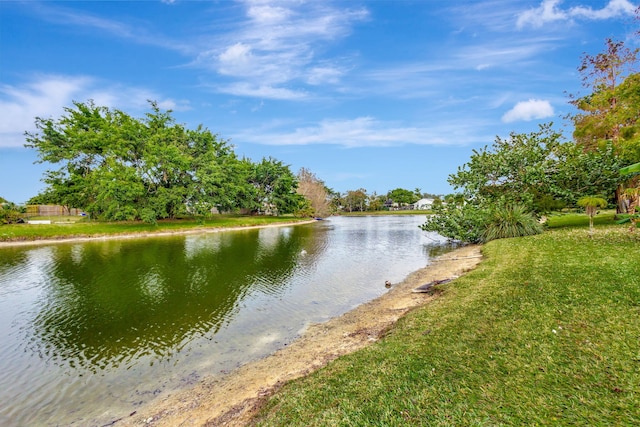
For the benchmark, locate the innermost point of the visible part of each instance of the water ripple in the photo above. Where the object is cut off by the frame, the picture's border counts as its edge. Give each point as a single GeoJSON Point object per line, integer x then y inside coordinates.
{"type": "Point", "coordinates": [111, 324]}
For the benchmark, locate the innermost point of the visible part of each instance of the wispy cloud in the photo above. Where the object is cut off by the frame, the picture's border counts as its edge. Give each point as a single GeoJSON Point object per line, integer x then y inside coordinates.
{"type": "Point", "coordinates": [502, 54]}
{"type": "Point", "coordinates": [613, 9]}
{"type": "Point", "coordinates": [479, 17]}
{"type": "Point", "coordinates": [550, 11]}
{"type": "Point", "coordinates": [42, 98]}
{"type": "Point", "coordinates": [367, 132]}
{"type": "Point", "coordinates": [276, 44]}
{"type": "Point", "coordinates": [256, 90]}
{"type": "Point", "coordinates": [136, 33]}
{"type": "Point", "coordinates": [529, 110]}
{"type": "Point", "coordinates": [46, 96]}
{"type": "Point", "coordinates": [324, 74]}
{"type": "Point", "coordinates": [483, 64]}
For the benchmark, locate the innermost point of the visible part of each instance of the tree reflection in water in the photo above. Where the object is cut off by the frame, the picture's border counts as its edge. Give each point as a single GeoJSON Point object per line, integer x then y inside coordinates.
{"type": "Point", "coordinates": [110, 303]}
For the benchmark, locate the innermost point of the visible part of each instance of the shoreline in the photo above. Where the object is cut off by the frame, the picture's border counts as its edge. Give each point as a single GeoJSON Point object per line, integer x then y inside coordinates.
{"type": "Point", "coordinates": [235, 398]}
{"type": "Point", "coordinates": [144, 235]}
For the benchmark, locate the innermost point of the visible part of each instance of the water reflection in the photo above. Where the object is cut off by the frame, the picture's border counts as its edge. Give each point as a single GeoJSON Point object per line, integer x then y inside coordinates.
{"type": "Point", "coordinates": [109, 303]}
{"type": "Point", "coordinates": [435, 250]}
{"type": "Point", "coordinates": [91, 331]}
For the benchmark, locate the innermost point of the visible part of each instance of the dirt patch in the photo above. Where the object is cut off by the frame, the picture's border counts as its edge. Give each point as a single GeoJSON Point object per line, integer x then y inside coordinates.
{"type": "Point", "coordinates": [234, 399]}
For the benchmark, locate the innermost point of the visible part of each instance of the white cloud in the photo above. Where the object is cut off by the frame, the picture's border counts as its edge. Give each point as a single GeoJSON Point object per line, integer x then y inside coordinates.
{"type": "Point", "coordinates": [42, 98]}
{"type": "Point", "coordinates": [324, 74]}
{"type": "Point", "coordinates": [499, 100]}
{"type": "Point", "coordinates": [613, 9]}
{"type": "Point", "coordinates": [71, 17]}
{"type": "Point", "coordinates": [501, 54]}
{"type": "Point", "coordinates": [365, 132]}
{"type": "Point", "coordinates": [236, 59]}
{"type": "Point", "coordinates": [493, 64]}
{"type": "Point", "coordinates": [550, 11]}
{"type": "Point", "coordinates": [278, 43]}
{"type": "Point", "coordinates": [529, 110]}
{"type": "Point", "coordinates": [484, 16]}
{"type": "Point", "coordinates": [274, 44]}
{"type": "Point", "coordinates": [46, 96]}
{"type": "Point", "coordinates": [268, 14]}
{"type": "Point", "coordinates": [262, 91]}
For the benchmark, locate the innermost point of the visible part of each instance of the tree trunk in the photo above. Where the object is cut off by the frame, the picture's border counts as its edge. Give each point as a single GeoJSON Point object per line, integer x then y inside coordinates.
{"type": "Point", "coordinates": [622, 205]}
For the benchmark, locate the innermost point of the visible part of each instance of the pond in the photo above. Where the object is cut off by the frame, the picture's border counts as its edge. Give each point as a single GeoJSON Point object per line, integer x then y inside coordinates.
{"type": "Point", "coordinates": [90, 331]}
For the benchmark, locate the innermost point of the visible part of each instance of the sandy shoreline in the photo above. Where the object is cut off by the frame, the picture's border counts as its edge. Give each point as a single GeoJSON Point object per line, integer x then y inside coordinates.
{"type": "Point", "coordinates": [232, 400]}
{"type": "Point", "coordinates": [144, 235]}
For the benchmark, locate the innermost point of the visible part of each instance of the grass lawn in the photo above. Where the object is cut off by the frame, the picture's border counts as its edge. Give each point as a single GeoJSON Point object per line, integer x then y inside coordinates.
{"type": "Point", "coordinates": [58, 219]}
{"type": "Point", "coordinates": [546, 331]}
{"type": "Point", "coordinates": [580, 219]}
{"type": "Point", "coordinates": [21, 232]}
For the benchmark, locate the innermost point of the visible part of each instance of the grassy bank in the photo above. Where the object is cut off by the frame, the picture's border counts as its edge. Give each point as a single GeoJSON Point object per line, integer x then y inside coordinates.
{"type": "Point", "coordinates": [546, 331]}
{"type": "Point", "coordinates": [67, 229]}
{"type": "Point", "coordinates": [580, 219]}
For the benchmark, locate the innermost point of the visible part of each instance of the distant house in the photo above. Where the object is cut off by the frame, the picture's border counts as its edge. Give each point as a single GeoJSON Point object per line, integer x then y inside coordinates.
{"type": "Point", "coordinates": [423, 204]}
{"type": "Point", "coordinates": [390, 205]}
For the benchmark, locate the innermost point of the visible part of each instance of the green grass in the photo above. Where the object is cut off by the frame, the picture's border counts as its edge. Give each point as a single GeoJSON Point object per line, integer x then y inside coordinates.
{"type": "Point", "coordinates": [58, 219]}
{"type": "Point", "coordinates": [546, 331]}
{"type": "Point", "coordinates": [580, 219]}
{"type": "Point", "coordinates": [22, 232]}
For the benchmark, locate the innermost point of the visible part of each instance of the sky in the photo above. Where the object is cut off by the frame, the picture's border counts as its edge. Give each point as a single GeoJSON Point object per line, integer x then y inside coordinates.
{"type": "Point", "coordinates": [365, 94]}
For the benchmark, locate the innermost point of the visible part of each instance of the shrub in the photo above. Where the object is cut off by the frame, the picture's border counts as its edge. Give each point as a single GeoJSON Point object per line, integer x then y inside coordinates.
{"type": "Point", "coordinates": [462, 223]}
{"type": "Point", "coordinates": [148, 215]}
{"type": "Point", "coordinates": [510, 221]}
{"type": "Point", "coordinates": [10, 213]}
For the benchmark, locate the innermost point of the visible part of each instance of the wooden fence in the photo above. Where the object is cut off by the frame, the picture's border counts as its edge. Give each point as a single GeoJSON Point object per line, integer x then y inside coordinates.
{"type": "Point", "coordinates": [51, 210]}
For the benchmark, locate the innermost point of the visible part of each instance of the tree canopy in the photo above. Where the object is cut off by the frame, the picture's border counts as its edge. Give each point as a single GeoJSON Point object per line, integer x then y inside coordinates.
{"type": "Point", "coordinates": [315, 191]}
{"type": "Point", "coordinates": [529, 172]}
{"type": "Point", "coordinates": [403, 196]}
{"type": "Point", "coordinates": [355, 200]}
{"type": "Point", "coordinates": [118, 167]}
{"type": "Point", "coordinates": [525, 175]}
{"type": "Point", "coordinates": [533, 168]}
{"type": "Point", "coordinates": [273, 187]}
{"type": "Point", "coordinates": [611, 110]}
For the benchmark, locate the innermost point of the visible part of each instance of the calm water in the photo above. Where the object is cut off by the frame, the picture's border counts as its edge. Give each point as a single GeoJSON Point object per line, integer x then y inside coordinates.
{"type": "Point", "coordinates": [91, 331]}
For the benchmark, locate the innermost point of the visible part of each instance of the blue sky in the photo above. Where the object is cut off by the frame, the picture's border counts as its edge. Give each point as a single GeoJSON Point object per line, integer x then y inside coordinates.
{"type": "Point", "coordinates": [372, 94]}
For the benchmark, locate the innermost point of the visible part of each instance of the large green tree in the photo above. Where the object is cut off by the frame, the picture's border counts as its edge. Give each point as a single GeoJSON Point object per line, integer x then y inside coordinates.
{"type": "Point", "coordinates": [355, 200]}
{"type": "Point", "coordinates": [600, 122]}
{"type": "Point", "coordinates": [376, 202]}
{"type": "Point", "coordinates": [610, 111]}
{"type": "Point", "coordinates": [524, 170]}
{"type": "Point", "coordinates": [404, 197]}
{"type": "Point", "coordinates": [274, 188]}
{"type": "Point", "coordinates": [117, 167]}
